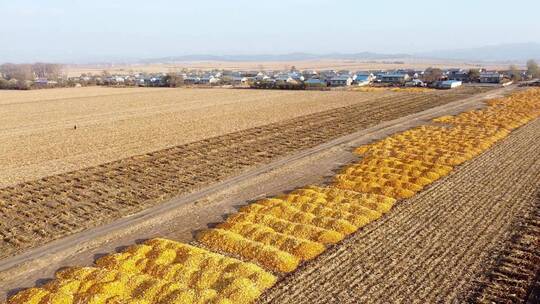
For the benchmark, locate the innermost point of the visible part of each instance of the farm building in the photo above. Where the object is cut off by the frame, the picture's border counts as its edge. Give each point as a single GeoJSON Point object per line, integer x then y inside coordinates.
{"type": "Point", "coordinates": [458, 74]}
{"type": "Point", "coordinates": [315, 83]}
{"type": "Point", "coordinates": [214, 80]}
{"type": "Point", "coordinates": [415, 83]}
{"type": "Point", "coordinates": [41, 81]}
{"type": "Point", "coordinates": [363, 79]}
{"type": "Point", "coordinates": [282, 77]}
{"type": "Point", "coordinates": [450, 84]}
{"type": "Point", "coordinates": [191, 80]}
{"type": "Point", "coordinates": [205, 79]}
{"type": "Point", "coordinates": [327, 74]}
{"type": "Point", "coordinates": [308, 74]}
{"type": "Point", "coordinates": [394, 78]}
{"type": "Point", "coordinates": [491, 77]}
{"type": "Point", "coordinates": [237, 80]}
{"type": "Point", "coordinates": [340, 81]}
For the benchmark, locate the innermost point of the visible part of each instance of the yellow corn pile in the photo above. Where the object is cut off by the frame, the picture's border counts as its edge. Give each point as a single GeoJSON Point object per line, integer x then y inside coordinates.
{"type": "Point", "coordinates": [403, 164]}
{"type": "Point", "coordinates": [508, 113]}
{"type": "Point", "coordinates": [158, 271]}
{"type": "Point", "coordinates": [279, 233]}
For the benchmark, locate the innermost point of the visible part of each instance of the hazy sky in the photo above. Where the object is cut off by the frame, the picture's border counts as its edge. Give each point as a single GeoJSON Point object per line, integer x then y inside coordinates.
{"type": "Point", "coordinates": [67, 30]}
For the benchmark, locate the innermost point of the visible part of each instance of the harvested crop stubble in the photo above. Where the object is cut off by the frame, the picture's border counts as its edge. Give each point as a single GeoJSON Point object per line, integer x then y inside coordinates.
{"type": "Point", "coordinates": [158, 271]}
{"type": "Point", "coordinates": [516, 267]}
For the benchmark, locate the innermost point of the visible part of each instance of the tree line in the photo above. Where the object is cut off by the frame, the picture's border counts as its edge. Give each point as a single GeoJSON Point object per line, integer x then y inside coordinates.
{"type": "Point", "coordinates": [20, 76]}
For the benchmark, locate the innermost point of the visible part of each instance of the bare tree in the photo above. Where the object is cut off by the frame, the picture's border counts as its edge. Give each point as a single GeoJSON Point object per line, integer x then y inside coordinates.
{"type": "Point", "coordinates": [19, 72]}
{"type": "Point", "coordinates": [47, 70]}
{"type": "Point", "coordinates": [173, 80]}
{"type": "Point", "coordinates": [514, 72]}
{"type": "Point", "coordinates": [432, 75]}
{"type": "Point", "coordinates": [532, 69]}
{"type": "Point", "coordinates": [474, 75]}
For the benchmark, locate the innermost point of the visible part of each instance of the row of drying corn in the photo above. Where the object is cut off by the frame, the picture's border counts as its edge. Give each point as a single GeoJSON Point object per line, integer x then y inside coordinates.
{"type": "Point", "coordinates": [279, 233]}
{"type": "Point", "coordinates": [157, 271]}
{"type": "Point", "coordinates": [235, 261]}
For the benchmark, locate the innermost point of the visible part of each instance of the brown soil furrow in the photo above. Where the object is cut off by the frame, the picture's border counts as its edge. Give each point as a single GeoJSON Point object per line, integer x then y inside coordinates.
{"type": "Point", "coordinates": [59, 205]}
{"type": "Point", "coordinates": [480, 260]}
{"type": "Point", "coordinates": [431, 248]}
{"type": "Point", "coordinates": [459, 251]}
{"type": "Point", "coordinates": [464, 261]}
{"type": "Point", "coordinates": [514, 268]}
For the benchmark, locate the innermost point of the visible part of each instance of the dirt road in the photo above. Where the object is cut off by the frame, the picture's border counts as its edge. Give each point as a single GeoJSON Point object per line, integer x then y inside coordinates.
{"type": "Point", "coordinates": [434, 247]}
{"type": "Point", "coordinates": [36, 212]}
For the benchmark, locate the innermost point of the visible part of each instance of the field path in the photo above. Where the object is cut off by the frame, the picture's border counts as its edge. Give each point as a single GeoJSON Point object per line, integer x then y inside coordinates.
{"type": "Point", "coordinates": [431, 248]}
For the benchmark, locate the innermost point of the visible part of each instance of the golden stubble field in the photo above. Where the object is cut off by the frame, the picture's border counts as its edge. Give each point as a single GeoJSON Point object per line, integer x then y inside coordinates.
{"type": "Point", "coordinates": [37, 135]}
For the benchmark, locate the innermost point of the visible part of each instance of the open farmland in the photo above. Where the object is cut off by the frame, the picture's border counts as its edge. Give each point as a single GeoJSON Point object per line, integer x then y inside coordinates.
{"type": "Point", "coordinates": [37, 135]}
{"type": "Point", "coordinates": [40, 210]}
{"type": "Point", "coordinates": [455, 162]}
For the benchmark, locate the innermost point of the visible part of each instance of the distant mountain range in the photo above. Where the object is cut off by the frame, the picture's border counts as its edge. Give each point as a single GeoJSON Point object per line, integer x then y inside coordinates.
{"type": "Point", "coordinates": [519, 52]}
{"type": "Point", "coordinates": [502, 53]}
{"type": "Point", "coordinates": [499, 53]}
{"type": "Point", "coordinates": [280, 57]}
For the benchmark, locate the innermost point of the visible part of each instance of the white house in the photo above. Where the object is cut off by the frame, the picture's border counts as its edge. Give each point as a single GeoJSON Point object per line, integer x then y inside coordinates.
{"type": "Point", "coordinates": [394, 78]}
{"type": "Point", "coordinates": [450, 84]}
{"type": "Point", "coordinates": [363, 79]}
{"type": "Point", "coordinates": [415, 83]}
{"type": "Point", "coordinates": [214, 80]}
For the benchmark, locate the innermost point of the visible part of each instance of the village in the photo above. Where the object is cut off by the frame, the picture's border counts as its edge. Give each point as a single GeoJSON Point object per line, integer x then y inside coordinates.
{"type": "Point", "coordinates": [292, 78]}
{"type": "Point", "coordinates": [307, 79]}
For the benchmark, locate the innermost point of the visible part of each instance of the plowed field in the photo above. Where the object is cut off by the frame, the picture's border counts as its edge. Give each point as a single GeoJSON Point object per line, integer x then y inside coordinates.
{"type": "Point", "coordinates": [38, 136]}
